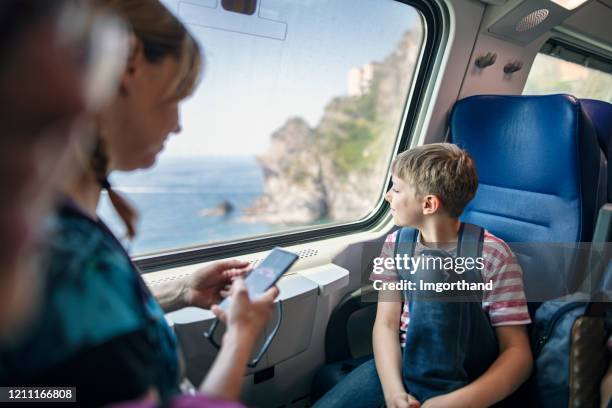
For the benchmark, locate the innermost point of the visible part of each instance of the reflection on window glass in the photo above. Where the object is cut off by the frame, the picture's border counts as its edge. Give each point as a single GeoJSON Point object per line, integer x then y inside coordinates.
{"type": "Point", "coordinates": [293, 125]}
{"type": "Point", "coordinates": [550, 75]}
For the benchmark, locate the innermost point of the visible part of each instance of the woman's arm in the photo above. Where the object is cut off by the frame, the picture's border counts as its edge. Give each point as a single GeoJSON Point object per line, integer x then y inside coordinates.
{"type": "Point", "coordinates": [387, 351]}
{"type": "Point", "coordinates": [170, 295]}
{"type": "Point", "coordinates": [511, 368]}
{"type": "Point", "coordinates": [224, 380]}
{"type": "Point", "coordinates": [245, 321]}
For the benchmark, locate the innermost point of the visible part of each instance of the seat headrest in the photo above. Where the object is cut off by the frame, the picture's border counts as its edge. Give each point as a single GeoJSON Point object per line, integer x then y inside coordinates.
{"type": "Point", "coordinates": [530, 148]}
{"type": "Point", "coordinates": [538, 160]}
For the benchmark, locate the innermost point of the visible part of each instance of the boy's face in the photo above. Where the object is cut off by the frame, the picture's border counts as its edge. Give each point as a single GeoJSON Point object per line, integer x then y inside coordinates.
{"type": "Point", "coordinates": [406, 207]}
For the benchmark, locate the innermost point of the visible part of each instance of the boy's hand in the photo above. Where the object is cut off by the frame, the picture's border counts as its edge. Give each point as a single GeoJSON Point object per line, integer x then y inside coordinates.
{"type": "Point", "coordinates": [403, 400]}
{"type": "Point", "coordinates": [442, 401]}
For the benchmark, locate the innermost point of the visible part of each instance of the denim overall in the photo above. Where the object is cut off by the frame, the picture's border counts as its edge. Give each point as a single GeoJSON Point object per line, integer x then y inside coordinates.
{"type": "Point", "coordinates": [449, 341]}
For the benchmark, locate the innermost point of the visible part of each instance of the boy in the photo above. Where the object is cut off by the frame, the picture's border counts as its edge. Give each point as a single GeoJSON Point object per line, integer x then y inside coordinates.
{"type": "Point", "coordinates": [432, 184]}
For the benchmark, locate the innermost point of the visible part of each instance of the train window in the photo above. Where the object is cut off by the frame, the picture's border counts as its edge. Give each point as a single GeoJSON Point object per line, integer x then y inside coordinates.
{"type": "Point", "coordinates": [561, 68]}
{"type": "Point", "coordinates": [291, 129]}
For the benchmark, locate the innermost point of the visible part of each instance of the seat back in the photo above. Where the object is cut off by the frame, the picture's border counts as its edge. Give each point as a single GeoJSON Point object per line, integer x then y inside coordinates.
{"type": "Point", "coordinates": [600, 114]}
{"type": "Point", "coordinates": [538, 165]}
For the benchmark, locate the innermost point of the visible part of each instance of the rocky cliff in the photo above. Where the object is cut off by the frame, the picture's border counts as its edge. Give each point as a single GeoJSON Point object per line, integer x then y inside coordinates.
{"type": "Point", "coordinates": [334, 171]}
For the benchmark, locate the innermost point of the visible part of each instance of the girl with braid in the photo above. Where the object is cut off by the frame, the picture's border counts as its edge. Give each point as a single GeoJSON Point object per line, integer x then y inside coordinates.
{"type": "Point", "coordinates": [100, 329]}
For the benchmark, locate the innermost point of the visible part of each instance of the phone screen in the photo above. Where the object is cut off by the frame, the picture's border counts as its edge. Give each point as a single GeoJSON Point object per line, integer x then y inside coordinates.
{"type": "Point", "coordinates": [267, 273]}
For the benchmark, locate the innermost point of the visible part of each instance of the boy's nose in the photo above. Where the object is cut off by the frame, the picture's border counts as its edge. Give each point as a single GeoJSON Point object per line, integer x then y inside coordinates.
{"type": "Point", "coordinates": [388, 196]}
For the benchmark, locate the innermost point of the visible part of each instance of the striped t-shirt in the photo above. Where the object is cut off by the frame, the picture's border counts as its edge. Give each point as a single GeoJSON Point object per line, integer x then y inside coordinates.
{"type": "Point", "coordinates": [505, 304]}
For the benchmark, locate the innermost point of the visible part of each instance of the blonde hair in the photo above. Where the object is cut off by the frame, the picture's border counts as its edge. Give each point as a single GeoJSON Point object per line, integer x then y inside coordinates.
{"type": "Point", "coordinates": [441, 169]}
{"type": "Point", "coordinates": [162, 35]}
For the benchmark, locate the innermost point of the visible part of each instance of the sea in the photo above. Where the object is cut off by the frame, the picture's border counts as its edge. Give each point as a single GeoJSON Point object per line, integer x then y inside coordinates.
{"type": "Point", "coordinates": [177, 200]}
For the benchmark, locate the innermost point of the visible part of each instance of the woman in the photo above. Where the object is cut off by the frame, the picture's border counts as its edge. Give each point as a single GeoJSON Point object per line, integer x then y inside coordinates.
{"type": "Point", "coordinates": [101, 330]}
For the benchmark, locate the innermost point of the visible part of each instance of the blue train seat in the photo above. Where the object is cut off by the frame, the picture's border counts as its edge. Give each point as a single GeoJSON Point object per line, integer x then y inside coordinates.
{"type": "Point", "coordinates": [600, 113]}
{"type": "Point", "coordinates": [538, 163]}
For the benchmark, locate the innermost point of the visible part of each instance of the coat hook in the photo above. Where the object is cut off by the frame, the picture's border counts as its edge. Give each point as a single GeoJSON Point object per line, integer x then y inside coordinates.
{"type": "Point", "coordinates": [513, 66]}
{"type": "Point", "coordinates": [487, 60]}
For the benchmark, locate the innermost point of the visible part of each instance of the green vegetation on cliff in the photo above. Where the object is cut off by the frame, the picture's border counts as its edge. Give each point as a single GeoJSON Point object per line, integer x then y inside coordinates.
{"type": "Point", "coordinates": [334, 170]}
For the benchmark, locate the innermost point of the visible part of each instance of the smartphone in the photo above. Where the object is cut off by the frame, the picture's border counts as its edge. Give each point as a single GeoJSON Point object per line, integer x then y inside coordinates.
{"type": "Point", "coordinates": [266, 274]}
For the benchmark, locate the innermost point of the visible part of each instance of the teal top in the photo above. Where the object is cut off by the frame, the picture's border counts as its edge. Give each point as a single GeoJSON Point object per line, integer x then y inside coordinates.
{"type": "Point", "coordinates": [95, 311]}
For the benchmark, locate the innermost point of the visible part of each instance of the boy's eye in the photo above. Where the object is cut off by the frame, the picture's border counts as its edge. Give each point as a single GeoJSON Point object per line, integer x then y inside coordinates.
{"type": "Point", "coordinates": [395, 190]}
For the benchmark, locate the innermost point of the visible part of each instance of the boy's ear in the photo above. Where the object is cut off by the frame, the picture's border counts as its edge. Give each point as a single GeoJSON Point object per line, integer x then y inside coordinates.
{"type": "Point", "coordinates": [431, 204]}
{"type": "Point", "coordinates": [133, 64]}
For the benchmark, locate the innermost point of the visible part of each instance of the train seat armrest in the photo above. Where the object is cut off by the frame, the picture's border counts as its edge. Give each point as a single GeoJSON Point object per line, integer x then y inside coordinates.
{"type": "Point", "coordinates": [329, 278]}
{"type": "Point", "coordinates": [602, 242]}
{"type": "Point", "coordinates": [337, 346]}
{"type": "Point", "coordinates": [603, 227]}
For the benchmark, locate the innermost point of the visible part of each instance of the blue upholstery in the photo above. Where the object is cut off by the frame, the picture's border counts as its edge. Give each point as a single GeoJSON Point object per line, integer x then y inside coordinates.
{"type": "Point", "coordinates": [600, 113]}
{"type": "Point", "coordinates": [538, 163]}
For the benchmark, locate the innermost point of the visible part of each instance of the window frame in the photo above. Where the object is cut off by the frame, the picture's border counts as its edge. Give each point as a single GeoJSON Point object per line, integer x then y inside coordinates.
{"type": "Point", "coordinates": [578, 54]}
{"type": "Point", "coordinates": [433, 30]}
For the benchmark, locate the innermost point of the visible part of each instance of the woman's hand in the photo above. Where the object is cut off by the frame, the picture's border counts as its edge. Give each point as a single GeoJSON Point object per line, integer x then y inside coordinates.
{"type": "Point", "coordinates": [403, 400]}
{"type": "Point", "coordinates": [208, 285]}
{"type": "Point", "coordinates": [246, 318]}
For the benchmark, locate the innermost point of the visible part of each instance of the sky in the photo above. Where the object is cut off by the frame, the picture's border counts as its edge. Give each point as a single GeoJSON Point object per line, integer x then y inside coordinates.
{"type": "Point", "coordinates": [289, 59]}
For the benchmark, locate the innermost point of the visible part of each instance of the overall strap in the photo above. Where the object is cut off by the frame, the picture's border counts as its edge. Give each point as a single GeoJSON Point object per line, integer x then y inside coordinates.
{"type": "Point", "coordinates": [406, 241]}
{"type": "Point", "coordinates": [471, 239]}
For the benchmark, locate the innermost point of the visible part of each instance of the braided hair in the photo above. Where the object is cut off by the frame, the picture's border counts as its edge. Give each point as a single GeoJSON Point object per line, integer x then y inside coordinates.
{"type": "Point", "coordinates": [127, 213]}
